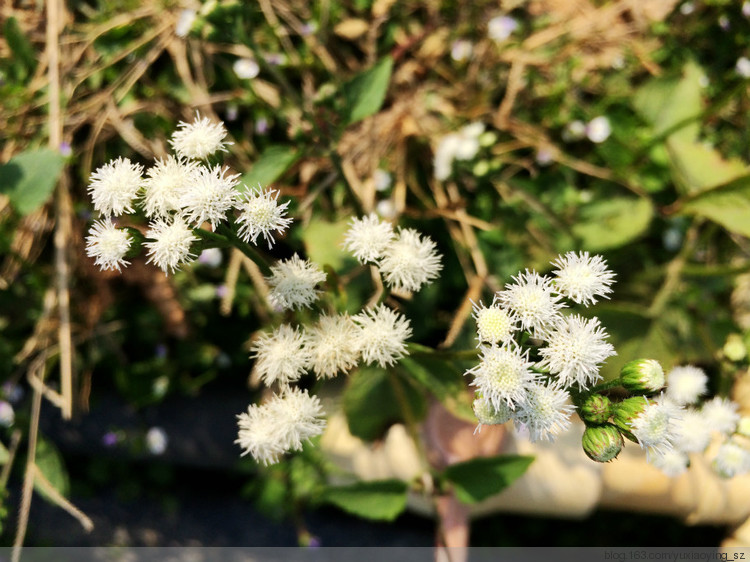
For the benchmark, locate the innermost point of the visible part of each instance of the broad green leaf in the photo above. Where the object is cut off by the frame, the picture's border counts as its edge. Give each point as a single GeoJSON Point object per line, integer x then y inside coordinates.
{"type": "Point", "coordinates": [612, 223]}
{"type": "Point", "coordinates": [697, 167]}
{"type": "Point", "coordinates": [274, 161]}
{"type": "Point", "coordinates": [478, 479]}
{"type": "Point", "coordinates": [381, 500]}
{"type": "Point", "coordinates": [50, 464]}
{"type": "Point", "coordinates": [364, 95]}
{"type": "Point", "coordinates": [23, 52]}
{"type": "Point", "coordinates": [29, 178]}
{"type": "Point", "coordinates": [728, 205]}
{"type": "Point", "coordinates": [324, 243]}
{"type": "Point", "coordinates": [443, 379]}
{"type": "Point", "coordinates": [371, 403]}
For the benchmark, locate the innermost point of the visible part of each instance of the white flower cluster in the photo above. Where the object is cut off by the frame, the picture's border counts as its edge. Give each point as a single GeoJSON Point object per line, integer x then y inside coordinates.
{"type": "Point", "coordinates": [177, 194]}
{"type": "Point", "coordinates": [693, 427]}
{"type": "Point", "coordinates": [463, 145]}
{"type": "Point", "coordinates": [406, 259]}
{"type": "Point", "coordinates": [570, 348]}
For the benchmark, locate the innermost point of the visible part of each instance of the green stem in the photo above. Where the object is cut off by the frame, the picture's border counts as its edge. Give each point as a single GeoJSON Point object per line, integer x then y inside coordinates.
{"type": "Point", "coordinates": [416, 350]}
{"type": "Point", "coordinates": [229, 235]}
{"type": "Point", "coordinates": [605, 386]}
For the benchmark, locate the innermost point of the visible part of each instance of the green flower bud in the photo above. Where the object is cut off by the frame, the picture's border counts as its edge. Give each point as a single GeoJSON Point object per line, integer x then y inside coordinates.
{"type": "Point", "coordinates": [602, 443]}
{"type": "Point", "coordinates": [642, 375]}
{"type": "Point", "coordinates": [626, 411]}
{"type": "Point", "coordinates": [487, 414]}
{"type": "Point", "coordinates": [596, 409]}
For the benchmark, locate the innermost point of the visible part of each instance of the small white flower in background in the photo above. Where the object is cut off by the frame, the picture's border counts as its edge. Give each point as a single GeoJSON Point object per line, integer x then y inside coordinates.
{"type": "Point", "coordinates": [503, 375]}
{"type": "Point", "coordinates": [114, 186]}
{"type": "Point", "coordinates": [545, 156]}
{"type": "Point", "coordinates": [410, 261]}
{"type": "Point", "coordinates": [574, 131]}
{"type": "Point", "coordinates": [382, 335]}
{"type": "Point", "coordinates": [732, 459]}
{"type": "Point", "coordinates": [533, 301]}
{"type": "Point", "coordinates": [211, 257]}
{"type": "Point", "coordinates": [386, 208]}
{"type": "Point", "coordinates": [461, 50]}
{"type": "Point", "coordinates": [108, 244]}
{"type": "Point", "coordinates": [582, 278]}
{"type": "Point", "coordinates": [333, 345]}
{"type": "Point", "coordinates": [164, 183]}
{"type": "Point", "coordinates": [275, 59]}
{"type": "Point", "coordinates": [382, 180]}
{"type": "Point", "coordinates": [686, 384]}
{"type": "Point", "coordinates": [721, 415]}
{"type": "Point", "coordinates": [687, 8]}
{"type": "Point", "coordinates": [210, 195]}
{"type": "Point", "coordinates": [692, 434]}
{"type": "Point", "coordinates": [743, 427]}
{"type": "Point", "coordinates": [463, 145]}
{"type": "Point", "coordinates": [368, 237]}
{"type": "Point", "coordinates": [672, 463]}
{"type": "Point", "coordinates": [7, 415]}
{"type": "Point", "coordinates": [495, 325]}
{"type": "Point", "coordinates": [575, 351]}
{"type": "Point", "coordinates": [156, 441]}
{"type": "Point", "coordinates": [598, 129]}
{"type": "Point", "coordinates": [746, 9]}
{"type": "Point", "coordinates": [185, 22]}
{"type": "Point", "coordinates": [246, 69]}
{"type": "Point", "coordinates": [281, 356]}
{"type": "Point", "coordinates": [723, 22]}
{"type": "Point", "coordinates": [500, 28]}
{"type": "Point", "coordinates": [258, 435]}
{"type": "Point", "coordinates": [293, 283]}
{"type": "Point", "coordinates": [199, 139]}
{"type": "Point", "coordinates": [545, 413]}
{"type": "Point", "coordinates": [170, 244]}
{"type": "Point", "coordinates": [743, 67]}
{"type": "Point", "coordinates": [655, 427]}
{"type": "Point", "coordinates": [260, 213]}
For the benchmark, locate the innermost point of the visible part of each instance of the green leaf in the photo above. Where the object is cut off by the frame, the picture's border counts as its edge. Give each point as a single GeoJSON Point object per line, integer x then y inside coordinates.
{"type": "Point", "coordinates": [443, 379]}
{"type": "Point", "coordinates": [381, 500]}
{"type": "Point", "coordinates": [612, 223]}
{"type": "Point", "coordinates": [697, 167]}
{"type": "Point", "coordinates": [29, 178]}
{"type": "Point", "coordinates": [4, 454]}
{"type": "Point", "coordinates": [23, 52]}
{"type": "Point", "coordinates": [364, 95]}
{"type": "Point", "coordinates": [274, 161]}
{"type": "Point", "coordinates": [728, 205]}
{"type": "Point", "coordinates": [371, 403]}
{"type": "Point", "coordinates": [478, 479]}
{"type": "Point", "coordinates": [50, 464]}
{"type": "Point", "coordinates": [324, 243]}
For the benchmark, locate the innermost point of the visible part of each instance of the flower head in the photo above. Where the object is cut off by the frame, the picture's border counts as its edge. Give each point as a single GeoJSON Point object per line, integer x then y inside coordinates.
{"type": "Point", "coordinates": [686, 384]}
{"type": "Point", "coordinates": [503, 375]}
{"type": "Point", "coordinates": [164, 183]}
{"type": "Point", "coordinates": [545, 412]}
{"type": "Point", "coordinates": [721, 415]}
{"type": "Point", "coordinates": [114, 186]}
{"type": "Point", "coordinates": [732, 459]}
{"type": "Point", "coordinates": [199, 139]}
{"type": "Point", "coordinates": [533, 301]}
{"type": "Point", "coordinates": [381, 336]}
{"type": "Point", "coordinates": [672, 463]}
{"type": "Point", "coordinates": [293, 283]}
{"type": "Point", "coordinates": [642, 375]}
{"type": "Point", "coordinates": [108, 244]}
{"type": "Point", "coordinates": [495, 325]}
{"type": "Point", "coordinates": [170, 244]}
{"type": "Point", "coordinates": [692, 433]}
{"type": "Point", "coordinates": [410, 261]}
{"type": "Point", "coordinates": [333, 345]}
{"type": "Point", "coordinates": [500, 28]}
{"type": "Point", "coordinates": [281, 356]}
{"type": "Point", "coordinates": [652, 423]}
{"type": "Point", "coordinates": [582, 278]}
{"type": "Point", "coordinates": [602, 443]}
{"type": "Point", "coordinates": [260, 213]}
{"type": "Point", "coordinates": [368, 237]}
{"type": "Point", "coordinates": [210, 194]}
{"type": "Point", "coordinates": [575, 350]}
{"type": "Point", "coordinates": [487, 414]}
{"type": "Point", "coordinates": [259, 435]}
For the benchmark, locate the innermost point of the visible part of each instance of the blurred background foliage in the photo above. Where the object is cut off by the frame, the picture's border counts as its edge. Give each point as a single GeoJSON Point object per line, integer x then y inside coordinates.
{"type": "Point", "coordinates": [615, 127]}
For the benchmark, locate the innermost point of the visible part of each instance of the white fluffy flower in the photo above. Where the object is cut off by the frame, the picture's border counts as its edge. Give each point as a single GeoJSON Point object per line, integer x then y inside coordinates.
{"type": "Point", "coordinates": [332, 342]}
{"type": "Point", "coordinates": [170, 244]}
{"type": "Point", "coordinates": [487, 414]}
{"type": "Point", "coordinates": [259, 435]}
{"type": "Point", "coordinates": [209, 196]}
{"type": "Point", "coordinates": [281, 356]}
{"type": "Point", "coordinates": [246, 68]}
{"type": "Point", "coordinates": [368, 237]}
{"type": "Point", "coordinates": [260, 213]}
{"type": "Point", "coordinates": [381, 336]}
{"type": "Point", "coordinates": [598, 129]}
{"type": "Point", "coordinates": [545, 412]}
{"type": "Point", "coordinates": [655, 427]}
{"type": "Point", "coordinates": [495, 325]}
{"type": "Point", "coordinates": [199, 139]}
{"type": "Point", "coordinates": [582, 278]}
{"type": "Point", "coordinates": [503, 375]}
{"type": "Point", "coordinates": [500, 28]}
{"type": "Point", "coordinates": [165, 181]}
{"type": "Point", "coordinates": [672, 463]}
{"type": "Point", "coordinates": [114, 186]}
{"type": "Point", "coordinates": [692, 433]}
{"type": "Point", "coordinates": [108, 244]}
{"type": "Point", "coordinates": [575, 350]}
{"type": "Point", "coordinates": [293, 283]}
{"type": "Point", "coordinates": [732, 459]}
{"type": "Point", "coordinates": [721, 415]}
{"type": "Point", "coordinates": [299, 417]}
{"type": "Point", "coordinates": [686, 384]}
{"type": "Point", "coordinates": [410, 261]}
{"type": "Point", "coordinates": [534, 302]}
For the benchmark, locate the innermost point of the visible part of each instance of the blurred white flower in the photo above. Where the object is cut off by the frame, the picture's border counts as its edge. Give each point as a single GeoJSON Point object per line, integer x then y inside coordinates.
{"type": "Point", "coordinates": [461, 50]}
{"type": "Point", "coordinates": [281, 356]}
{"type": "Point", "coordinates": [333, 345]}
{"type": "Point", "coordinates": [672, 463]}
{"type": "Point", "coordinates": [156, 441]}
{"type": "Point", "coordinates": [170, 244]}
{"type": "Point", "coordinates": [382, 335]}
{"type": "Point", "coordinates": [574, 131]}
{"type": "Point", "coordinates": [720, 414]}
{"type": "Point", "coordinates": [368, 237]}
{"type": "Point", "coordinates": [7, 415]}
{"type": "Point", "coordinates": [114, 186]}
{"type": "Point", "coordinates": [246, 69]}
{"type": "Point", "coordinates": [746, 9]}
{"type": "Point", "coordinates": [293, 283]}
{"type": "Point", "coordinates": [410, 261]}
{"type": "Point", "coordinates": [582, 278]}
{"type": "Point", "coordinates": [199, 139]}
{"type": "Point", "coordinates": [463, 145]}
{"type": "Point", "coordinates": [108, 244]}
{"type": "Point", "coordinates": [260, 213]}
{"type": "Point", "coordinates": [382, 180]}
{"type": "Point", "coordinates": [732, 459]}
{"type": "Point", "coordinates": [386, 208]}
{"type": "Point", "coordinates": [692, 433]}
{"type": "Point", "coordinates": [598, 129]}
{"type": "Point", "coordinates": [211, 257]}
{"type": "Point", "coordinates": [743, 67]}
{"type": "Point", "coordinates": [500, 28]}
{"type": "Point", "coordinates": [185, 22]}
{"type": "Point", "coordinates": [655, 427]}
{"type": "Point", "coordinates": [687, 8]}
{"type": "Point", "coordinates": [686, 384]}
